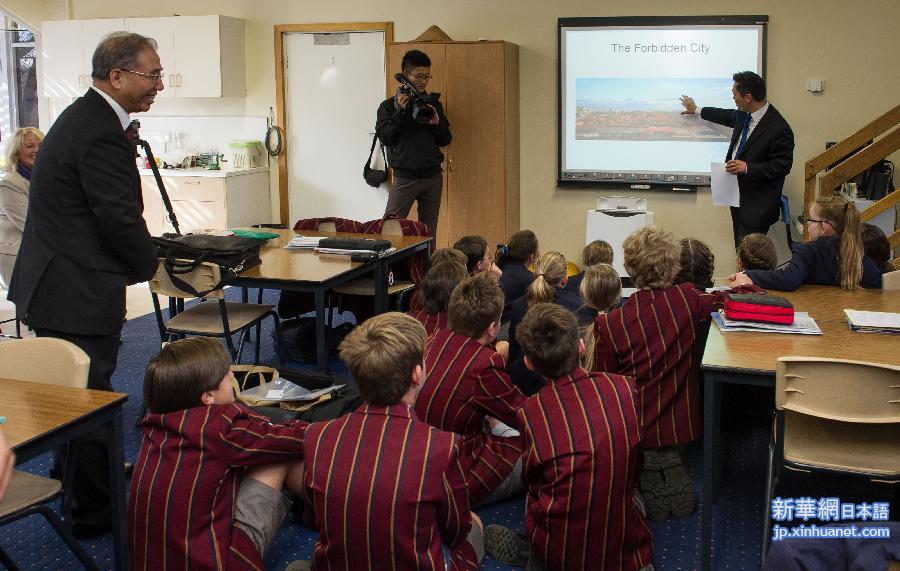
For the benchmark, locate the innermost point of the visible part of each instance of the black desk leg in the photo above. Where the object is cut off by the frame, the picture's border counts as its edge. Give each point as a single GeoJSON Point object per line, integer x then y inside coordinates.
{"type": "Point", "coordinates": [117, 487]}
{"type": "Point", "coordinates": [321, 348]}
{"type": "Point", "coordinates": [711, 416]}
{"type": "Point", "coordinates": [381, 287]}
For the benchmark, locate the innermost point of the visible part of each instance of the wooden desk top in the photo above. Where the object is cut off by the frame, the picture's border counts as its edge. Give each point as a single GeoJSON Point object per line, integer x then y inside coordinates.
{"type": "Point", "coordinates": [308, 266]}
{"type": "Point", "coordinates": [758, 352]}
{"type": "Point", "coordinates": [34, 409]}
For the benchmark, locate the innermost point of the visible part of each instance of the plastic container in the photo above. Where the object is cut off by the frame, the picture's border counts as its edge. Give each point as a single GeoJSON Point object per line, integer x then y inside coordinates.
{"type": "Point", "coordinates": [245, 154]}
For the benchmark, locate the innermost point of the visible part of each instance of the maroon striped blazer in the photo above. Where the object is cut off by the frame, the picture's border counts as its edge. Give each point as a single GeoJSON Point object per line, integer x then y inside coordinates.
{"type": "Point", "coordinates": [464, 383]}
{"type": "Point", "coordinates": [388, 492]}
{"type": "Point", "coordinates": [652, 337]}
{"type": "Point", "coordinates": [181, 505]}
{"type": "Point", "coordinates": [582, 443]}
{"type": "Point", "coordinates": [433, 322]}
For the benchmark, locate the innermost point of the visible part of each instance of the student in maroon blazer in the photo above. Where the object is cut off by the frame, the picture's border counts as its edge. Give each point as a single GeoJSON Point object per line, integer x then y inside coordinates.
{"type": "Point", "coordinates": [436, 289]}
{"type": "Point", "coordinates": [206, 490]}
{"type": "Point", "coordinates": [582, 443]}
{"type": "Point", "coordinates": [388, 490]}
{"type": "Point", "coordinates": [467, 385]}
{"type": "Point", "coordinates": [652, 337]}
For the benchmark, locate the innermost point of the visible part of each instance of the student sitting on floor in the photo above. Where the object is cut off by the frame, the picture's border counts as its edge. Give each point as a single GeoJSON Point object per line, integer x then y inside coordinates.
{"type": "Point", "coordinates": [388, 490]}
{"type": "Point", "coordinates": [440, 255]}
{"type": "Point", "coordinates": [597, 252]}
{"type": "Point", "coordinates": [477, 258]}
{"type": "Point", "coordinates": [601, 289]}
{"type": "Point", "coordinates": [547, 287]}
{"type": "Point", "coordinates": [651, 337]}
{"type": "Point", "coordinates": [513, 259]}
{"type": "Point", "coordinates": [436, 289]}
{"type": "Point", "coordinates": [582, 445]}
{"type": "Point", "coordinates": [206, 489]}
{"type": "Point", "coordinates": [756, 252]}
{"type": "Point", "coordinates": [877, 247]}
{"type": "Point", "coordinates": [833, 255]}
{"type": "Point", "coordinates": [466, 385]}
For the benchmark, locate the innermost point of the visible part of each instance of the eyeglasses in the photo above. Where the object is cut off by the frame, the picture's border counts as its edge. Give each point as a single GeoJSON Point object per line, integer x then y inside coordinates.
{"type": "Point", "coordinates": [152, 76]}
{"type": "Point", "coordinates": [807, 220]}
{"type": "Point", "coordinates": [422, 76]}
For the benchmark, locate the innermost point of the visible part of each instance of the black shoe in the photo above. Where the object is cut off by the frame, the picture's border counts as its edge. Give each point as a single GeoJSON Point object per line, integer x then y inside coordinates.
{"type": "Point", "coordinates": [506, 546]}
{"type": "Point", "coordinates": [90, 530]}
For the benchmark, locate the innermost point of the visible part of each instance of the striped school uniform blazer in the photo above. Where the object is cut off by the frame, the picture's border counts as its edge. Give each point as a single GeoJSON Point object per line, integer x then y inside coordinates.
{"type": "Point", "coordinates": [181, 505]}
{"type": "Point", "coordinates": [433, 322]}
{"type": "Point", "coordinates": [388, 492]}
{"type": "Point", "coordinates": [582, 443]}
{"type": "Point", "coordinates": [652, 337]}
{"type": "Point", "coordinates": [464, 383]}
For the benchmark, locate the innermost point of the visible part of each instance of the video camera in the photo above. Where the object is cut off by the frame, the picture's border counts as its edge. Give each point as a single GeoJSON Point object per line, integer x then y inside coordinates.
{"type": "Point", "coordinates": [419, 102]}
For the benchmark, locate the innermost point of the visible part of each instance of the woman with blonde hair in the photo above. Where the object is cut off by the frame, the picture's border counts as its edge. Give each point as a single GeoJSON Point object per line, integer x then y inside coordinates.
{"type": "Point", "coordinates": [547, 287]}
{"type": "Point", "coordinates": [20, 154]}
{"type": "Point", "coordinates": [833, 255]}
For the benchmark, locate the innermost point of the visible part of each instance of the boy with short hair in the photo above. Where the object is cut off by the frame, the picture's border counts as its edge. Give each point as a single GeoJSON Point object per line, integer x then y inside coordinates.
{"type": "Point", "coordinates": [439, 283]}
{"type": "Point", "coordinates": [477, 259]}
{"type": "Point", "coordinates": [467, 385]}
{"type": "Point", "coordinates": [387, 489]}
{"type": "Point", "coordinates": [206, 489]}
{"type": "Point", "coordinates": [582, 437]}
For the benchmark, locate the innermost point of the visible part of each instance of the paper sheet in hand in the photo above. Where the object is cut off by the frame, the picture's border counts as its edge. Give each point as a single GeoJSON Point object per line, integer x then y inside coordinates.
{"type": "Point", "coordinates": [284, 390]}
{"type": "Point", "coordinates": [724, 186]}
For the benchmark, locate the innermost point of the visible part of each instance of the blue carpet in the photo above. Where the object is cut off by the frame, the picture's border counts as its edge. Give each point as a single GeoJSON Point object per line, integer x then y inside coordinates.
{"type": "Point", "coordinates": [34, 545]}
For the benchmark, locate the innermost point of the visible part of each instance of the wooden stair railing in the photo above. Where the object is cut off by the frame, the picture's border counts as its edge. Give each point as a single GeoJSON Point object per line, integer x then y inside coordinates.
{"type": "Point", "coordinates": [866, 155]}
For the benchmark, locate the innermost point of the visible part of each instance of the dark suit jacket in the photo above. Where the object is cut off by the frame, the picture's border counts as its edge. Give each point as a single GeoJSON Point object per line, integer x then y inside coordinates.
{"type": "Point", "coordinates": [85, 238]}
{"type": "Point", "coordinates": [769, 154]}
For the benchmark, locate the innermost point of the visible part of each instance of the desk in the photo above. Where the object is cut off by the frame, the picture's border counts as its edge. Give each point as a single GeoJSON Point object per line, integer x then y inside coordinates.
{"type": "Point", "coordinates": [41, 418]}
{"type": "Point", "coordinates": [750, 359]}
{"type": "Point", "coordinates": [307, 271]}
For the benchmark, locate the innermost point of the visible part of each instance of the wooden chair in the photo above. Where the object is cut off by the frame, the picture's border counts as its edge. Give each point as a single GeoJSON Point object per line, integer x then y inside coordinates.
{"type": "Point", "coordinates": [836, 416]}
{"type": "Point", "coordinates": [212, 316]}
{"type": "Point", "coordinates": [53, 362]}
{"type": "Point", "coordinates": [891, 280]}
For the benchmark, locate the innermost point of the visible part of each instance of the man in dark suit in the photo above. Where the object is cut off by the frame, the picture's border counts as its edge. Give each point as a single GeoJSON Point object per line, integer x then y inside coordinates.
{"type": "Point", "coordinates": [761, 152]}
{"type": "Point", "coordinates": [85, 238]}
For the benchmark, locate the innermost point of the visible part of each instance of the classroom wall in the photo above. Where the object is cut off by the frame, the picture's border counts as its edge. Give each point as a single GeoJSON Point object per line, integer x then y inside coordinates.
{"type": "Point", "coordinates": [851, 45]}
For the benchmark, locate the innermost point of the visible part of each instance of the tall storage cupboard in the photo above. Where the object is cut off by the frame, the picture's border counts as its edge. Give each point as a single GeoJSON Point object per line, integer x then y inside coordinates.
{"type": "Point", "coordinates": [479, 87]}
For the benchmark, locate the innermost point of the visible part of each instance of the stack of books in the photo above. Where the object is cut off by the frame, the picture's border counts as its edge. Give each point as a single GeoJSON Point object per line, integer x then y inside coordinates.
{"type": "Point", "coordinates": [303, 242]}
{"type": "Point", "coordinates": [803, 325]}
{"type": "Point", "coordinates": [873, 321]}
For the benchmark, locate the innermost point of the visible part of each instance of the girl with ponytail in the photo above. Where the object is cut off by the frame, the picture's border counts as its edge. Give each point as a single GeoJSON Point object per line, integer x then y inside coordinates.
{"type": "Point", "coordinates": [832, 256]}
{"type": "Point", "coordinates": [514, 258]}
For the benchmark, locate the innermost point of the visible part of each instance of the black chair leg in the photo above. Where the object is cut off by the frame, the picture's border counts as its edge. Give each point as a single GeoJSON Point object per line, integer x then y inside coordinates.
{"type": "Point", "coordinates": [73, 544]}
{"type": "Point", "coordinates": [7, 562]}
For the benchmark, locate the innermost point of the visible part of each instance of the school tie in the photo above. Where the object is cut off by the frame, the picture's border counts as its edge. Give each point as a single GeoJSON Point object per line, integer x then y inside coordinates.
{"type": "Point", "coordinates": [744, 129]}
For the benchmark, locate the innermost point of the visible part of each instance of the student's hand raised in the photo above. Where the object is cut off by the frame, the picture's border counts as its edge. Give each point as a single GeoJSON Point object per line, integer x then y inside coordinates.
{"type": "Point", "coordinates": [739, 279]}
{"type": "Point", "coordinates": [690, 108]}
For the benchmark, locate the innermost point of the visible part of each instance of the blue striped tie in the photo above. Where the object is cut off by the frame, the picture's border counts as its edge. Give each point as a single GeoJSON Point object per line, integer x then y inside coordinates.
{"type": "Point", "coordinates": [744, 129]}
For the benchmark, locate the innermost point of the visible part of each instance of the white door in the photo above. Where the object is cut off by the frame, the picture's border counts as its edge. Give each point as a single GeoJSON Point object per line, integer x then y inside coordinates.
{"type": "Point", "coordinates": [198, 75]}
{"type": "Point", "coordinates": [62, 62]}
{"type": "Point", "coordinates": [163, 31]}
{"type": "Point", "coordinates": [332, 93]}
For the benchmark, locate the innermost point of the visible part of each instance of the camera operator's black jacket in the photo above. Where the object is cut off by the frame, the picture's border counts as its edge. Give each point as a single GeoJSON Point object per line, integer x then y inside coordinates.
{"type": "Point", "coordinates": [412, 148]}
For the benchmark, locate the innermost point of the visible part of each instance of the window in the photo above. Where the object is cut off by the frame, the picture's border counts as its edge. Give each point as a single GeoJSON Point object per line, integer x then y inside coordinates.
{"type": "Point", "coordinates": [18, 78]}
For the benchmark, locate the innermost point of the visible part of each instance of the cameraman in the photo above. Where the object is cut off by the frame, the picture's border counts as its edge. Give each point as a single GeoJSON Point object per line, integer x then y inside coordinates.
{"type": "Point", "coordinates": [413, 146]}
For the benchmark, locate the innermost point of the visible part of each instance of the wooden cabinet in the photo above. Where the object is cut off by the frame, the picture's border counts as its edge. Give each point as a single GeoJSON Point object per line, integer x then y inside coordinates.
{"type": "Point", "coordinates": [68, 48]}
{"type": "Point", "coordinates": [202, 202]}
{"type": "Point", "coordinates": [479, 87]}
{"type": "Point", "coordinates": [202, 56]}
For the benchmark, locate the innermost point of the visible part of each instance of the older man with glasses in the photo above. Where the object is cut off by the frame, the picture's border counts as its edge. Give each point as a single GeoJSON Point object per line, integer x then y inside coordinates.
{"type": "Point", "coordinates": [413, 144]}
{"type": "Point", "coordinates": [85, 238]}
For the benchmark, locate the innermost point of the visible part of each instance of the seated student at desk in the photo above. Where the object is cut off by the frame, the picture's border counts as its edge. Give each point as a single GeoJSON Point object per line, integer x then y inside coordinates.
{"type": "Point", "coordinates": [833, 255]}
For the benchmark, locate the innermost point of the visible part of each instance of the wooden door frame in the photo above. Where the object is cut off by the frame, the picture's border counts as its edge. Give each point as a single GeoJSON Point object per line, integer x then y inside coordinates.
{"type": "Point", "coordinates": [280, 31]}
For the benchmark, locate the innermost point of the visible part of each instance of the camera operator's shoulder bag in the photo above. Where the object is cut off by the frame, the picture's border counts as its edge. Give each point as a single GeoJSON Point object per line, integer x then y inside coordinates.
{"type": "Point", "coordinates": [375, 177]}
{"type": "Point", "coordinates": [183, 254]}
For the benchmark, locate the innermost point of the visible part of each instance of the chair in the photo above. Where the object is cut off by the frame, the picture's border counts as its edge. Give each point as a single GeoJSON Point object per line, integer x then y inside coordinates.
{"type": "Point", "coordinates": [54, 362]}
{"type": "Point", "coordinates": [786, 217]}
{"type": "Point", "coordinates": [212, 316]}
{"type": "Point", "coordinates": [891, 280]}
{"type": "Point", "coordinates": [836, 416]}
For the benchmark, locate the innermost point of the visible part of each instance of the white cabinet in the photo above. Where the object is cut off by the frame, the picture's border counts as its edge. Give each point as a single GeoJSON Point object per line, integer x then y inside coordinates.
{"type": "Point", "coordinates": [201, 202]}
{"type": "Point", "coordinates": [67, 48]}
{"type": "Point", "coordinates": [202, 56]}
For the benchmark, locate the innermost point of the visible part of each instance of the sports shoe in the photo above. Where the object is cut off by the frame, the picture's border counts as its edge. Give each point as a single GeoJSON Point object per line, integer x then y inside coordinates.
{"type": "Point", "coordinates": [665, 484]}
{"type": "Point", "coordinates": [506, 546]}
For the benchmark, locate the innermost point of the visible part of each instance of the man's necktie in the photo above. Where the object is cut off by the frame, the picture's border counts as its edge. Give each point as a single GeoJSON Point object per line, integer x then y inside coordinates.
{"type": "Point", "coordinates": [744, 129]}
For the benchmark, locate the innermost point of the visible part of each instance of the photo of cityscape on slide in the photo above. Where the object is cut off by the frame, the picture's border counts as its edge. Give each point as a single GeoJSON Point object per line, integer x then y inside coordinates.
{"type": "Point", "coordinates": [648, 109]}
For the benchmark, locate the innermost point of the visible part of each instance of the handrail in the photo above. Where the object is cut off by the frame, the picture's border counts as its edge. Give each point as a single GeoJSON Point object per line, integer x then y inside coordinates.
{"type": "Point", "coordinates": [868, 152]}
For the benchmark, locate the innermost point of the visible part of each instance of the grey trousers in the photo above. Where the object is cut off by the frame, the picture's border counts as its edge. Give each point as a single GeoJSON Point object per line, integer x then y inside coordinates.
{"type": "Point", "coordinates": [425, 191]}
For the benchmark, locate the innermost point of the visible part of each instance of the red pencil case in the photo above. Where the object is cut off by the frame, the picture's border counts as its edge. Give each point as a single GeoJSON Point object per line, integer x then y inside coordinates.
{"type": "Point", "coordinates": [761, 308]}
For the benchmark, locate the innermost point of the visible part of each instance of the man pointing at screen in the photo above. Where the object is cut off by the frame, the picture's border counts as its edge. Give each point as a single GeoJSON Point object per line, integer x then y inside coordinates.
{"type": "Point", "coordinates": [760, 155]}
